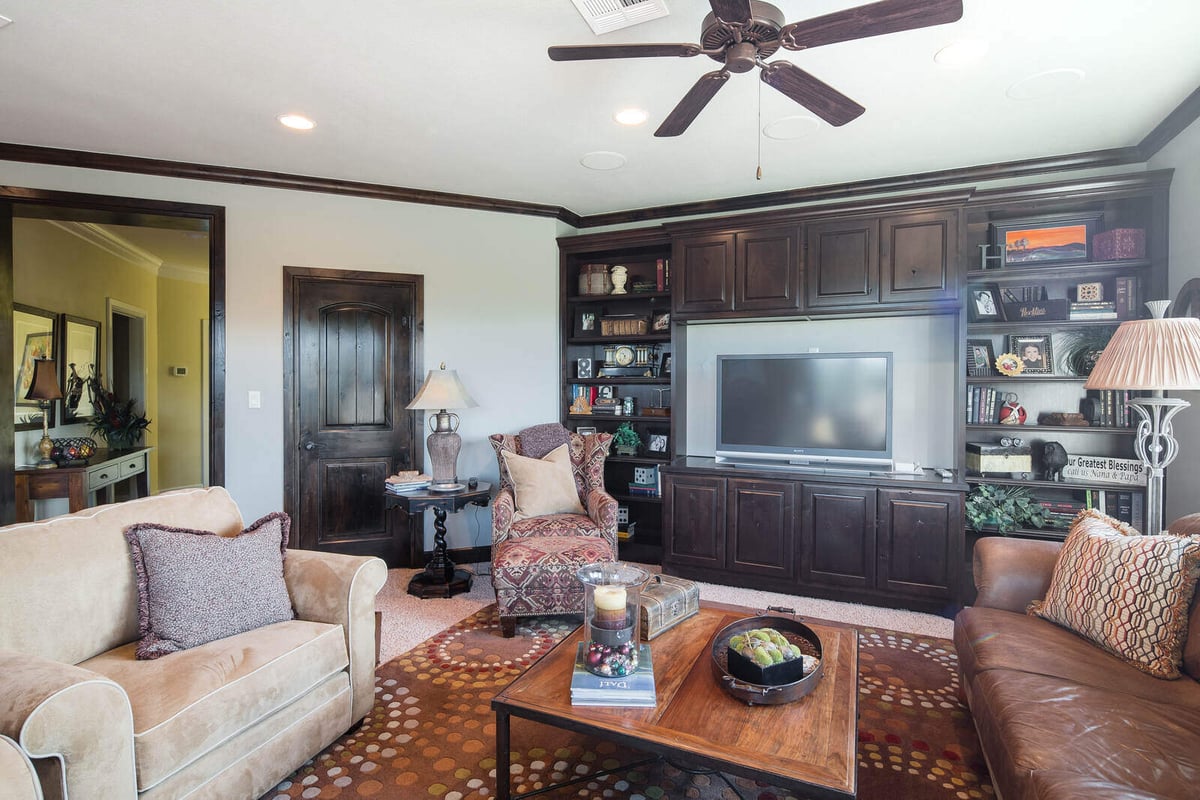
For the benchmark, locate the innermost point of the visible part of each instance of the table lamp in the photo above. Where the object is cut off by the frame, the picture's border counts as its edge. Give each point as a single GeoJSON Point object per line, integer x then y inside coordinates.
{"type": "Point", "coordinates": [442, 390]}
{"type": "Point", "coordinates": [44, 389]}
{"type": "Point", "coordinates": [1152, 355]}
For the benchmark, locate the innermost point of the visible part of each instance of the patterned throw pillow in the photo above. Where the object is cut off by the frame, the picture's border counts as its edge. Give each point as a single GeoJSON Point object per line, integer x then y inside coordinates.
{"type": "Point", "coordinates": [197, 586]}
{"type": "Point", "coordinates": [1125, 592]}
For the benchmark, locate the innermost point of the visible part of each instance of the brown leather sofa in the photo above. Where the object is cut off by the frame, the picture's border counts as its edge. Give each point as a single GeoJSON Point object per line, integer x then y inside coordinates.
{"type": "Point", "coordinates": [1057, 716]}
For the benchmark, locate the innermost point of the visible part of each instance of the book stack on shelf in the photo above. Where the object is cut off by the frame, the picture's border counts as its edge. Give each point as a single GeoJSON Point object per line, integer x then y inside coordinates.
{"type": "Point", "coordinates": [1061, 513]}
{"type": "Point", "coordinates": [1108, 408]}
{"type": "Point", "coordinates": [1094, 310]}
{"type": "Point", "coordinates": [1128, 302]}
{"type": "Point", "coordinates": [406, 481]}
{"type": "Point", "coordinates": [983, 405]}
{"type": "Point", "coordinates": [1127, 507]}
{"type": "Point", "coordinates": [637, 689]}
{"type": "Point", "coordinates": [607, 406]}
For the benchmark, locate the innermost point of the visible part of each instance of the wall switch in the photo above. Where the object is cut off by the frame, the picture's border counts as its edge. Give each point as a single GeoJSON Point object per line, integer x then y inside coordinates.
{"type": "Point", "coordinates": [255, 399]}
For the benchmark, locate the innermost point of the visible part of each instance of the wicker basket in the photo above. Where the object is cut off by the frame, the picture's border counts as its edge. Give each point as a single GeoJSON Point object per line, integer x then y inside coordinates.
{"type": "Point", "coordinates": [623, 326]}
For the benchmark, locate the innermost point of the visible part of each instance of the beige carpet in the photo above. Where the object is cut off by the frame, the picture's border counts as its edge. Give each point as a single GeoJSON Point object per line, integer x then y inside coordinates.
{"type": "Point", "coordinates": [408, 621]}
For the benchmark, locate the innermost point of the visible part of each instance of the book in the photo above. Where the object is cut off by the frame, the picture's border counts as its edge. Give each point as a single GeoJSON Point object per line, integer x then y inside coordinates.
{"type": "Point", "coordinates": [636, 689]}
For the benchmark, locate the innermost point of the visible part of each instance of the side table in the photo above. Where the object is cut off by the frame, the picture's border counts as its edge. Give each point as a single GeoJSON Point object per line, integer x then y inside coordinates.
{"type": "Point", "coordinates": [441, 578]}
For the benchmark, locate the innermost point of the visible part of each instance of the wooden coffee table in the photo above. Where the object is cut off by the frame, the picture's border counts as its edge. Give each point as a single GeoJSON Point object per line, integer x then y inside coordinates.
{"type": "Point", "coordinates": [808, 745]}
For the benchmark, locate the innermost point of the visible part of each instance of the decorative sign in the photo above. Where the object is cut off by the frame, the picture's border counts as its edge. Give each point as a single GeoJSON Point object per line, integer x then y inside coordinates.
{"type": "Point", "coordinates": [1126, 471]}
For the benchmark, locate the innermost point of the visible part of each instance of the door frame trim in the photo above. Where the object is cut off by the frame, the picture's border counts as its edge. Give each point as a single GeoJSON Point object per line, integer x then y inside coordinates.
{"type": "Point", "coordinates": [292, 278]}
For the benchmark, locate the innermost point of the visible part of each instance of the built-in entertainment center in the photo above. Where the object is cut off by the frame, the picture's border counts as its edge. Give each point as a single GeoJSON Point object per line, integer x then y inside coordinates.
{"type": "Point", "coordinates": [800, 382]}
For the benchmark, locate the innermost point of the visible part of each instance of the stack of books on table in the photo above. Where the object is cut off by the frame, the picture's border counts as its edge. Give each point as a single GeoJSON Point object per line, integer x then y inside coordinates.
{"type": "Point", "coordinates": [407, 481]}
{"type": "Point", "coordinates": [636, 689]}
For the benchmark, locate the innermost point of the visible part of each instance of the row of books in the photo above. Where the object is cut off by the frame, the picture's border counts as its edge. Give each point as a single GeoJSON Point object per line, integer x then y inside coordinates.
{"type": "Point", "coordinates": [1092, 310]}
{"type": "Point", "coordinates": [1128, 297]}
{"type": "Point", "coordinates": [983, 405]}
{"type": "Point", "coordinates": [1023, 294]}
{"type": "Point", "coordinates": [636, 689]}
{"type": "Point", "coordinates": [1108, 408]}
{"type": "Point", "coordinates": [1126, 507]}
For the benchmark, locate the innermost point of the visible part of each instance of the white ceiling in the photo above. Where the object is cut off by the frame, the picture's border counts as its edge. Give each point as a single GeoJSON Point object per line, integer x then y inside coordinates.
{"type": "Point", "coordinates": [459, 95]}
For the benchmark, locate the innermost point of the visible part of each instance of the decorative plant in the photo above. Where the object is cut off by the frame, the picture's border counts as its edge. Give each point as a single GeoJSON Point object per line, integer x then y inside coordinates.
{"type": "Point", "coordinates": [626, 440]}
{"type": "Point", "coordinates": [1083, 348]}
{"type": "Point", "coordinates": [1003, 508]}
{"type": "Point", "coordinates": [117, 421]}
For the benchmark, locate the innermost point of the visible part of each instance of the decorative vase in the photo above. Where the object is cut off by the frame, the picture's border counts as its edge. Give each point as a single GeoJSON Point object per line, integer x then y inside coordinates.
{"type": "Point", "coordinates": [619, 276]}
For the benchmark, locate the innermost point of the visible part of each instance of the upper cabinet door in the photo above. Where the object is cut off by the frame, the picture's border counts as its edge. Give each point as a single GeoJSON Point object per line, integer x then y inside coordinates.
{"type": "Point", "coordinates": [703, 273]}
{"type": "Point", "coordinates": [767, 274]}
{"type": "Point", "coordinates": [843, 263]}
{"type": "Point", "coordinates": [917, 255]}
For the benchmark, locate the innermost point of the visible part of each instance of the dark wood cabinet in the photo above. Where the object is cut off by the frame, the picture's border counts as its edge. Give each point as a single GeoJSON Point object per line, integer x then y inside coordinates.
{"type": "Point", "coordinates": [838, 536]}
{"type": "Point", "coordinates": [757, 269]}
{"type": "Point", "coordinates": [694, 521]}
{"type": "Point", "coordinates": [915, 253]}
{"type": "Point", "coordinates": [919, 542]}
{"type": "Point", "coordinates": [843, 262]}
{"type": "Point", "coordinates": [759, 528]}
{"type": "Point", "coordinates": [702, 268]}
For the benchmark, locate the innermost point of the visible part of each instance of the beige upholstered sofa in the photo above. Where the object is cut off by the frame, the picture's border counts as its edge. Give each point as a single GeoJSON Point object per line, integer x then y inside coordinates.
{"type": "Point", "coordinates": [227, 719]}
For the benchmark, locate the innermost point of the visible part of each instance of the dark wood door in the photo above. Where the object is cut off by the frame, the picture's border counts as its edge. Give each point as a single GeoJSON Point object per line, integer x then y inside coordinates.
{"type": "Point", "coordinates": [694, 521]}
{"type": "Point", "coordinates": [920, 542]}
{"type": "Point", "coordinates": [703, 273]}
{"type": "Point", "coordinates": [767, 271]}
{"type": "Point", "coordinates": [916, 256]}
{"type": "Point", "coordinates": [843, 263]}
{"type": "Point", "coordinates": [351, 340]}
{"type": "Point", "coordinates": [838, 536]}
{"type": "Point", "coordinates": [760, 527]}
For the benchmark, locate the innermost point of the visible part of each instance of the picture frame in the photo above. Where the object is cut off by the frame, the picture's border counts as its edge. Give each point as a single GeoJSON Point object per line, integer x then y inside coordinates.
{"type": "Point", "coordinates": [587, 323]}
{"type": "Point", "coordinates": [1034, 350]}
{"type": "Point", "coordinates": [661, 321]}
{"type": "Point", "coordinates": [658, 442]}
{"type": "Point", "coordinates": [984, 304]}
{"type": "Point", "coordinates": [664, 365]}
{"type": "Point", "coordinates": [34, 336]}
{"type": "Point", "coordinates": [586, 430]}
{"type": "Point", "coordinates": [80, 359]}
{"type": "Point", "coordinates": [1055, 240]}
{"type": "Point", "coordinates": [980, 358]}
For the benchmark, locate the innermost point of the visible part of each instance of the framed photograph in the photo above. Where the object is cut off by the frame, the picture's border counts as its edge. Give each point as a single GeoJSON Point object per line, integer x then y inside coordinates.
{"type": "Point", "coordinates": [980, 358]}
{"type": "Point", "coordinates": [983, 303]}
{"type": "Point", "coordinates": [34, 331]}
{"type": "Point", "coordinates": [657, 442]}
{"type": "Point", "coordinates": [587, 323]}
{"type": "Point", "coordinates": [661, 321]}
{"type": "Point", "coordinates": [585, 430]}
{"type": "Point", "coordinates": [664, 367]}
{"type": "Point", "coordinates": [1034, 352]}
{"type": "Point", "coordinates": [80, 359]}
{"type": "Point", "coordinates": [1046, 241]}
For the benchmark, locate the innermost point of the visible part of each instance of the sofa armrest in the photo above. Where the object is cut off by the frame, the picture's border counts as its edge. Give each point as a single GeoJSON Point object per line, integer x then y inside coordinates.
{"type": "Point", "coordinates": [17, 774]}
{"type": "Point", "coordinates": [73, 715]}
{"type": "Point", "coordinates": [504, 507]}
{"type": "Point", "coordinates": [602, 509]}
{"type": "Point", "coordinates": [340, 589]}
{"type": "Point", "coordinates": [1012, 573]}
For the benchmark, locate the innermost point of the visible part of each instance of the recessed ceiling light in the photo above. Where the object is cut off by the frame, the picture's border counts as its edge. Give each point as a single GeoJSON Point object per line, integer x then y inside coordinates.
{"type": "Point", "coordinates": [962, 53]}
{"type": "Point", "coordinates": [1046, 84]}
{"type": "Point", "coordinates": [603, 160]}
{"type": "Point", "coordinates": [794, 127]}
{"type": "Point", "coordinates": [297, 122]}
{"type": "Point", "coordinates": [631, 116]}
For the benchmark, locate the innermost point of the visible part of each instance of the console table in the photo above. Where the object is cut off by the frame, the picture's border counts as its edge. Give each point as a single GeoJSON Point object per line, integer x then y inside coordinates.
{"type": "Point", "coordinates": [440, 578]}
{"type": "Point", "coordinates": [80, 484]}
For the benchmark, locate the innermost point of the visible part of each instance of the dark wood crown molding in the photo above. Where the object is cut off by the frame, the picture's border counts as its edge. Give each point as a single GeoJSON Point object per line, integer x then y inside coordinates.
{"type": "Point", "coordinates": [1176, 122]}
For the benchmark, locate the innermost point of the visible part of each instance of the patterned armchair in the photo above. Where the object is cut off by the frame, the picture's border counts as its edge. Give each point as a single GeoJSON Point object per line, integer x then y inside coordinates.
{"type": "Point", "coordinates": [534, 560]}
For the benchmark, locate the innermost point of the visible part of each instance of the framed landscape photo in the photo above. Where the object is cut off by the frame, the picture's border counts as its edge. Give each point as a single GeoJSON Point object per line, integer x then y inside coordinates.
{"type": "Point", "coordinates": [980, 357]}
{"type": "Point", "coordinates": [1034, 352]}
{"type": "Point", "coordinates": [983, 303]}
{"type": "Point", "coordinates": [1046, 241]}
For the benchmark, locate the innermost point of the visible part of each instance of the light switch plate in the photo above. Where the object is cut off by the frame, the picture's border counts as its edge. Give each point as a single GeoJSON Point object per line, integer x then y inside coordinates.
{"type": "Point", "coordinates": [255, 399]}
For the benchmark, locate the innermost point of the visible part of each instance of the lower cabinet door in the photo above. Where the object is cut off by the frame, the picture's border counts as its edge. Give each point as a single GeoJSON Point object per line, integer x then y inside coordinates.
{"type": "Point", "coordinates": [838, 536]}
{"type": "Point", "coordinates": [920, 542]}
{"type": "Point", "coordinates": [760, 529]}
{"type": "Point", "coordinates": [694, 521]}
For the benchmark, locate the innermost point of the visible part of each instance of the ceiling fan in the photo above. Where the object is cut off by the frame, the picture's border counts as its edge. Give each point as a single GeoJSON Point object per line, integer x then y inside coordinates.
{"type": "Point", "coordinates": [741, 34]}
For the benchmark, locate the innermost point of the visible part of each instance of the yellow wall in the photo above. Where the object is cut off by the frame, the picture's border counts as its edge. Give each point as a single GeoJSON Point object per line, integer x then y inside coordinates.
{"type": "Point", "coordinates": [181, 307]}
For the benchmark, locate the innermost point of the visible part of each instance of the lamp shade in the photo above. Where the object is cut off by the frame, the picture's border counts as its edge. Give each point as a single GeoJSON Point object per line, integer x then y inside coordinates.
{"type": "Point", "coordinates": [442, 389]}
{"type": "Point", "coordinates": [44, 385]}
{"type": "Point", "coordinates": [1150, 354]}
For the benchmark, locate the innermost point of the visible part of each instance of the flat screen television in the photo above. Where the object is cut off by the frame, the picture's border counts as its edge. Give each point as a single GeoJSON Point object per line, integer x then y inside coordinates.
{"type": "Point", "coordinates": [805, 409]}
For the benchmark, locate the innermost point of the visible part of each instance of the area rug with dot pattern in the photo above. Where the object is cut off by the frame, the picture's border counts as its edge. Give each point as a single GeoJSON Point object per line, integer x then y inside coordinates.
{"type": "Point", "coordinates": [431, 733]}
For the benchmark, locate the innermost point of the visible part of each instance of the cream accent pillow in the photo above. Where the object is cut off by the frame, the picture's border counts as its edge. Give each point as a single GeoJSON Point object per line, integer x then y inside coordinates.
{"type": "Point", "coordinates": [543, 485]}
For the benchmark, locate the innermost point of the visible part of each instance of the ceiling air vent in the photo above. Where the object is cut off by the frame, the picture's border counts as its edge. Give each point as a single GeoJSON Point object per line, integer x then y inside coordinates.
{"type": "Point", "coordinates": [604, 16]}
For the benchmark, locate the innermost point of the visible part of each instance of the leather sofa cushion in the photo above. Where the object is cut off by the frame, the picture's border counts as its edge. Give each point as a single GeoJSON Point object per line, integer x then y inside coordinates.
{"type": "Point", "coordinates": [187, 703]}
{"type": "Point", "coordinates": [1029, 723]}
{"type": "Point", "coordinates": [988, 638]}
{"type": "Point", "coordinates": [1053, 784]}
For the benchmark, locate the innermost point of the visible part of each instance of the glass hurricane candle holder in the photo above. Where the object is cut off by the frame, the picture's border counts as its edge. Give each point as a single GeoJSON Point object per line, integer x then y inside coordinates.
{"type": "Point", "coordinates": [611, 617]}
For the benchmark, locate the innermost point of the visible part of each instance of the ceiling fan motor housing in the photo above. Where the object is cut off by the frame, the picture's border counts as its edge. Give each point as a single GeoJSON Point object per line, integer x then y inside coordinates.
{"type": "Point", "coordinates": [762, 34]}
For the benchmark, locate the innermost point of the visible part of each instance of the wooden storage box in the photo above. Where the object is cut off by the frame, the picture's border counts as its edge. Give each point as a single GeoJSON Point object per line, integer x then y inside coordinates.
{"type": "Point", "coordinates": [623, 326]}
{"type": "Point", "coordinates": [665, 602]}
{"type": "Point", "coordinates": [984, 457]}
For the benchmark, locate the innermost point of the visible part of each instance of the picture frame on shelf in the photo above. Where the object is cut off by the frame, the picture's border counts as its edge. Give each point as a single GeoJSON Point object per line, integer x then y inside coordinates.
{"type": "Point", "coordinates": [661, 322]}
{"type": "Point", "coordinates": [586, 430]}
{"type": "Point", "coordinates": [657, 442]}
{"type": "Point", "coordinates": [980, 357]}
{"type": "Point", "coordinates": [1034, 350]}
{"type": "Point", "coordinates": [1056, 240]}
{"type": "Point", "coordinates": [984, 304]}
{"type": "Point", "coordinates": [664, 365]}
{"type": "Point", "coordinates": [587, 323]}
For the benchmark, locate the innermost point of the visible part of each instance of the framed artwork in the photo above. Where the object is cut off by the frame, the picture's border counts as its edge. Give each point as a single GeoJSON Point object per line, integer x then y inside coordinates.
{"type": "Point", "coordinates": [33, 338]}
{"type": "Point", "coordinates": [980, 357]}
{"type": "Point", "coordinates": [1046, 241]}
{"type": "Point", "coordinates": [661, 321]}
{"type": "Point", "coordinates": [80, 359]}
{"type": "Point", "coordinates": [657, 442]}
{"type": "Point", "coordinates": [585, 430]}
{"type": "Point", "coordinates": [586, 323]}
{"type": "Point", "coordinates": [664, 368]}
{"type": "Point", "coordinates": [983, 303]}
{"type": "Point", "coordinates": [1034, 352]}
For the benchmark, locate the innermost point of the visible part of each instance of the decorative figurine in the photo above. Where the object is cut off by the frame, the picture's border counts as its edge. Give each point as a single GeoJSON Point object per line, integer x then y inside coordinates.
{"type": "Point", "coordinates": [619, 276]}
{"type": "Point", "coordinates": [1012, 412]}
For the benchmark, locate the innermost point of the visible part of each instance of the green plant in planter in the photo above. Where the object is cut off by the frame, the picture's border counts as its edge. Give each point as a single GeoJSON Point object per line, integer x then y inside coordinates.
{"type": "Point", "coordinates": [626, 440]}
{"type": "Point", "coordinates": [1083, 348]}
{"type": "Point", "coordinates": [1003, 508]}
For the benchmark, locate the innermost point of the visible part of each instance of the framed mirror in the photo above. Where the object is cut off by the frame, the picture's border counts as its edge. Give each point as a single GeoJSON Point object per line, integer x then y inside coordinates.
{"type": "Point", "coordinates": [79, 360]}
{"type": "Point", "coordinates": [33, 337]}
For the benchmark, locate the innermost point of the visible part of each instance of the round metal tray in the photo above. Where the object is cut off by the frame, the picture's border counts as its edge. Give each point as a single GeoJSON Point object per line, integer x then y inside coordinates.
{"type": "Point", "coordinates": [795, 632]}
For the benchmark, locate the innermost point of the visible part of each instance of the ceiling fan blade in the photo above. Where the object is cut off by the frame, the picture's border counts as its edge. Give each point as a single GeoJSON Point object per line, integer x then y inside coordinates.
{"type": "Point", "coordinates": [736, 12]}
{"type": "Point", "coordinates": [692, 103]}
{"type": "Point", "coordinates": [587, 52]}
{"type": "Point", "coordinates": [817, 96]}
{"type": "Point", "coordinates": [874, 19]}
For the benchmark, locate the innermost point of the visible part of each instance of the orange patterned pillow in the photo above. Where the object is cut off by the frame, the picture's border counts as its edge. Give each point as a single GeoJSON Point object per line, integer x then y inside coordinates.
{"type": "Point", "coordinates": [1125, 592]}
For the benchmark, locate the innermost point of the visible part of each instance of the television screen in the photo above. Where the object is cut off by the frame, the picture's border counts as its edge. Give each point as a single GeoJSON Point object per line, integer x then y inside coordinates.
{"type": "Point", "coordinates": [805, 407]}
